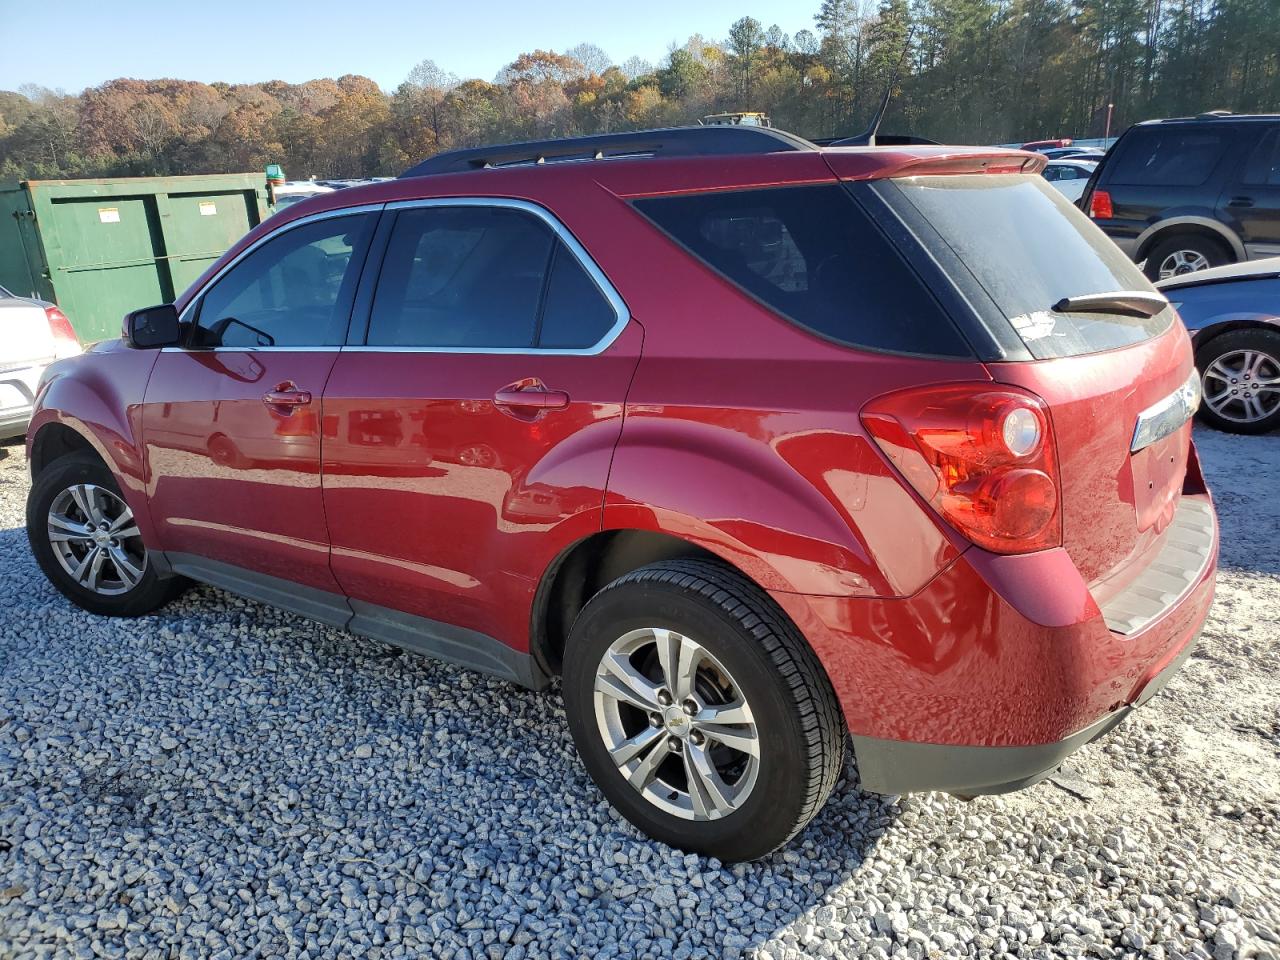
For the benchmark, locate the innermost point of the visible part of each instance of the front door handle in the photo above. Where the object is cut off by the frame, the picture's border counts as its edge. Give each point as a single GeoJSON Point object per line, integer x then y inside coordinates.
{"type": "Point", "coordinates": [1241, 202]}
{"type": "Point", "coordinates": [287, 394]}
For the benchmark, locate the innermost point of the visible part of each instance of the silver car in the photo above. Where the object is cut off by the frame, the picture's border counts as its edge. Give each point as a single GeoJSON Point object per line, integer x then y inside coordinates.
{"type": "Point", "coordinates": [33, 334]}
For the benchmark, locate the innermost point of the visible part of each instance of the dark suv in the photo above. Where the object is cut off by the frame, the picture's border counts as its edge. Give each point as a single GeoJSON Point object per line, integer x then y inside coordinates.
{"type": "Point", "coordinates": [754, 445]}
{"type": "Point", "coordinates": [1191, 193]}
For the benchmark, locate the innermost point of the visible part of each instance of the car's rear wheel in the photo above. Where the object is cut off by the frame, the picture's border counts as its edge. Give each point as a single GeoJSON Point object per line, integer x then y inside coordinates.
{"type": "Point", "coordinates": [700, 711]}
{"type": "Point", "coordinates": [1240, 374]}
{"type": "Point", "coordinates": [87, 542]}
{"type": "Point", "coordinates": [1184, 253]}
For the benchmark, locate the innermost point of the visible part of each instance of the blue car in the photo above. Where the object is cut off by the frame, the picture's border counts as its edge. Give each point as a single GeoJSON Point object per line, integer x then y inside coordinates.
{"type": "Point", "coordinates": [1233, 314]}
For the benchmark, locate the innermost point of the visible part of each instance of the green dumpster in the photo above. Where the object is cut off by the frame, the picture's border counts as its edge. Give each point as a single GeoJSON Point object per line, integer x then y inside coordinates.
{"type": "Point", "coordinates": [100, 248]}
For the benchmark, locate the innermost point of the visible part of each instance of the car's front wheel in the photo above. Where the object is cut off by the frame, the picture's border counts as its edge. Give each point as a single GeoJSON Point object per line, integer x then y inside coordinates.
{"type": "Point", "coordinates": [87, 542]}
{"type": "Point", "coordinates": [700, 711]}
{"type": "Point", "coordinates": [1240, 374]}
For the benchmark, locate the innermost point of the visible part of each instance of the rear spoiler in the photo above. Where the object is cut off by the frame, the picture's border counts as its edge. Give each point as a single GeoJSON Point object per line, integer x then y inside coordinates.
{"type": "Point", "coordinates": [943, 161]}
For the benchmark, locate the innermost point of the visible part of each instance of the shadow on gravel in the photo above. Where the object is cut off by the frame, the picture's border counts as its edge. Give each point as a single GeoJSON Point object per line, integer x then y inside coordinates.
{"type": "Point", "coordinates": [224, 759]}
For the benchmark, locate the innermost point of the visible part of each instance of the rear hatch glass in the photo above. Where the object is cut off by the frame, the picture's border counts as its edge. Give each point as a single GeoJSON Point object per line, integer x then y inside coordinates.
{"type": "Point", "coordinates": [1024, 247]}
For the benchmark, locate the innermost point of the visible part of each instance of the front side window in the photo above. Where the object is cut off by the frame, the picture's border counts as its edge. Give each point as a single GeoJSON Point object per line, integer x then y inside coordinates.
{"type": "Point", "coordinates": [293, 291]}
{"type": "Point", "coordinates": [476, 277]}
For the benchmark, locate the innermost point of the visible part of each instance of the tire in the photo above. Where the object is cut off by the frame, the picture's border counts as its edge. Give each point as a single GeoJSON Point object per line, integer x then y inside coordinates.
{"type": "Point", "coordinates": [1252, 355]}
{"type": "Point", "coordinates": [1205, 251]}
{"type": "Point", "coordinates": [118, 594]}
{"type": "Point", "coordinates": [746, 650]}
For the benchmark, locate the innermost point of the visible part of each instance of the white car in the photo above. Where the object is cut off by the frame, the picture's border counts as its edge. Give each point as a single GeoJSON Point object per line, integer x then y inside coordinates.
{"type": "Point", "coordinates": [1070, 176]}
{"type": "Point", "coordinates": [295, 191]}
{"type": "Point", "coordinates": [33, 334]}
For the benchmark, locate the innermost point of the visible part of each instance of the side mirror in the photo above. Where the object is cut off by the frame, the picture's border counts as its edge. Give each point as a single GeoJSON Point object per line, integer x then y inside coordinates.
{"type": "Point", "coordinates": [153, 327]}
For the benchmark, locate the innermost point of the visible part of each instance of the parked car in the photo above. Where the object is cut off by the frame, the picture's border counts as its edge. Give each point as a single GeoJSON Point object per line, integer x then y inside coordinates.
{"type": "Point", "coordinates": [1233, 314]}
{"type": "Point", "coordinates": [1069, 176]}
{"type": "Point", "coordinates": [754, 445]}
{"type": "Point", "coordinates": [1073, 153]}
{"type": "Point", "coordinates": [33, 333]}
{"type": "Point", "coordinates": [295, 191]}
{"type": "Point", "coordinates": [1192, 193]}
{"type": "Point", "coordinates": [1040, 146]}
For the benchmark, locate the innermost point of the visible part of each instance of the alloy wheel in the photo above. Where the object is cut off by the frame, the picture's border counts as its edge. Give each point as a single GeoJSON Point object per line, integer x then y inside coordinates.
{"type": "Point", "coordinates": [676, 724]}
{"type": "Point", "coordinates": [1243, 385]}
{"type": "Point", "coordinates": [95, 539]}
{"type": "Point", "coordinates": [1181, 262]}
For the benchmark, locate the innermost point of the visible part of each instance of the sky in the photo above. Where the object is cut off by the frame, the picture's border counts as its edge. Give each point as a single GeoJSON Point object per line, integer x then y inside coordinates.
{"type": "Point", "coordinates": [240, 41]}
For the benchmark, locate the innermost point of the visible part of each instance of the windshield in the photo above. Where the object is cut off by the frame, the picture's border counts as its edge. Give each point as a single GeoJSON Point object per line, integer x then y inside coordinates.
{"type": "Point", "coordinates": [1026, 247]}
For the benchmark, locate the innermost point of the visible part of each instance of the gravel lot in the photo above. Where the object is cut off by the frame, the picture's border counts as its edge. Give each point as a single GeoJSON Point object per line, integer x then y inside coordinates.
{"type": "Point", "coordinates": [227, 781]}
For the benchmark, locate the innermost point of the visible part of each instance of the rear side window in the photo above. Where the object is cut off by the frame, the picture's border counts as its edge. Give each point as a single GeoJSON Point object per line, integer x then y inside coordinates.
{"type": "Point", "coordinates": [484, 277]}
{"type": "Point", "coordinates": [1027, 247]}
{"type": "Point", "coordinates": [812, 255]}
{"type": "Point", "coordinates": [1169, 157]}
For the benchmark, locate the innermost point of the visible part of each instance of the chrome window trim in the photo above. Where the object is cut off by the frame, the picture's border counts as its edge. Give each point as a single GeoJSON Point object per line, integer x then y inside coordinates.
{"type": "Point", "coordinates": [621, 313]}
{"type": "Point", "coordinates": [279, 231]}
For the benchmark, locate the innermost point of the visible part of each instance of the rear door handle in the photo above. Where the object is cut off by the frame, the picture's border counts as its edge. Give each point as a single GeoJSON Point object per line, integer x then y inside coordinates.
{"type": "Point", "coordinates": [286, 394]}
{"type": "Point", "coordinates": [531, 395]}
{"type": "Point", "coordinates": [1241, 202]}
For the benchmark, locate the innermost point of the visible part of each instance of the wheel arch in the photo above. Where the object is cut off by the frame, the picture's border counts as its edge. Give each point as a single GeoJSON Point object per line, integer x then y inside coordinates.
{"type": "Point", "coordinates": [1188, 224]}
{"type": "Point", "coordinates": [1205, 335]}
{"type": "Point", "coordinates": [586, 566]}
{"type": "Point", "coordinates": [55, 440]}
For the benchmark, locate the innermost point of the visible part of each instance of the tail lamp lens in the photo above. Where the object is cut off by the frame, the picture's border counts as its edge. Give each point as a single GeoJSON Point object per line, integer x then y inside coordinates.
{"type": "Point", "coordinates": [65, 341]}
{"type": "Point", "coordinates": [981, 456]}
{"type": "Point", "coordinates": [1100, 207]}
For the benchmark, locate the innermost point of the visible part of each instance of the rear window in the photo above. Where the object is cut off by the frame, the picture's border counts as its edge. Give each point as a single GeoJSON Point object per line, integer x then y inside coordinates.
{"type": "Point", "coordinates": [812, 255]}
{"type": "Point", "coordinates": [1168, 157]}
{"type": "Point", "coordinates": [1026, 247]}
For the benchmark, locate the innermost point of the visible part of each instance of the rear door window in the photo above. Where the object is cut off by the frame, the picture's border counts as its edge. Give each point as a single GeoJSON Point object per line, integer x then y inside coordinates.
{"type": "Point", "coordinates": [1263, 166]}
{"type": "Point", "coordinates": [813, 256]}
{"type": "Point", "coordinates": [477, 277]}
{"type": "Point", "coordinates": [1169, 156]}
{"type": "Point", "coordinates": [1025, 247]}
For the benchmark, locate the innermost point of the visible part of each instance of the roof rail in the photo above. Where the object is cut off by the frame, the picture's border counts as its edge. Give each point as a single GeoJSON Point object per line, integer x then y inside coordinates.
{"type": "Point", "coordinates": [669, 142]}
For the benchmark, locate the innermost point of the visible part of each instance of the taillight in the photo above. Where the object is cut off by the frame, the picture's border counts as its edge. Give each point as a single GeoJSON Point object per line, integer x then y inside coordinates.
{"type": "Point", "coordinates": [981, 455]}
{"type": "Point", "coordinates": [1100, 205]}
{"type": "Point", "coordinates": [65, 341]}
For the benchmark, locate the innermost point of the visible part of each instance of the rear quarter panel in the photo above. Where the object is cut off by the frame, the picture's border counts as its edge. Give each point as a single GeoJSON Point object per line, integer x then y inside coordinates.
{"type": "Point", "coordinates": [742, 434]}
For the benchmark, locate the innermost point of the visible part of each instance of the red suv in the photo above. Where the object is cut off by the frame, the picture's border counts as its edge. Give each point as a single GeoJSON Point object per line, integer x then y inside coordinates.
{"type": "Point", "coordinates": [752, 444]}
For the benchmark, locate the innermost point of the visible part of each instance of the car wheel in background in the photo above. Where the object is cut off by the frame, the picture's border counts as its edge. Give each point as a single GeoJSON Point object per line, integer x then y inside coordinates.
{"type": "Point", "coordinates": [1184, 253]}
{"type": "Point", "coordinates": [85, 539]}
{"type": "Point", "coordinates": [1240, 374]}
{"type": "Point", "coordinates": [699, 710]}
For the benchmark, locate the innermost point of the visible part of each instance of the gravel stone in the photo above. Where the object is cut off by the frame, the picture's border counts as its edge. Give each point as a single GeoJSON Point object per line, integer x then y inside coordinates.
{"type": "Point", "coordinates": [225, 780]}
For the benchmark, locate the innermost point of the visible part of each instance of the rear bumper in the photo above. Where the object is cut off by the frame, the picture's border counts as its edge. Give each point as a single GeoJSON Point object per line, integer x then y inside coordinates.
{"type": "Point", "coordinates": [895, 766]}
{"type": "Point", "coordinates": [1001, 667]}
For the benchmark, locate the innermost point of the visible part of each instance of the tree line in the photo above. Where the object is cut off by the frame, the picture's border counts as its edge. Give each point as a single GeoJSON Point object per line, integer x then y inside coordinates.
{"type": "Point", "coordinates": [968, 71]}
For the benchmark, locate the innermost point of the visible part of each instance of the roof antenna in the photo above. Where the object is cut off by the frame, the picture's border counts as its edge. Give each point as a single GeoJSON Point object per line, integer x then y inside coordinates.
{"type": "Point", "coordinates": [868, 137]}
